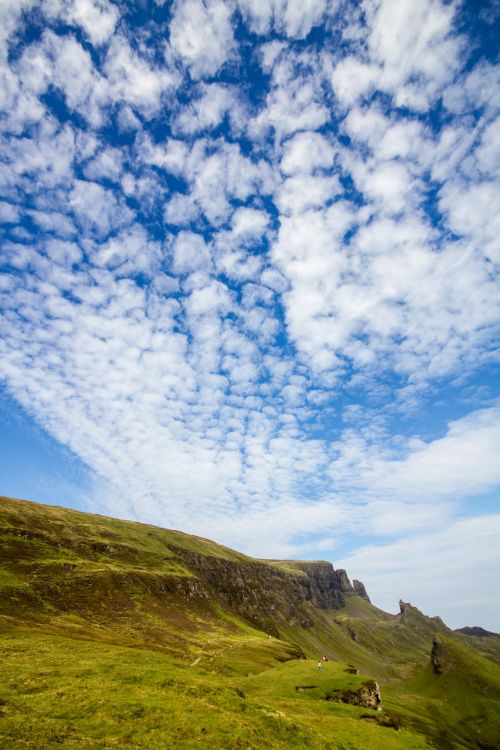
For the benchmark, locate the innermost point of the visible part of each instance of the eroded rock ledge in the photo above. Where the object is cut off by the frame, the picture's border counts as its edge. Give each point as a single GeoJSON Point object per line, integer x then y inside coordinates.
{"type": "Point", "coordinates": [265, 592]}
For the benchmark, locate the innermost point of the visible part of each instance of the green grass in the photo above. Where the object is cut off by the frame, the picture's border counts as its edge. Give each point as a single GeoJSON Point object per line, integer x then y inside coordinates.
{"type": "Point", "coordinates": [57, 692]}
{"type": "Point", "coordinates": [10, 582]}
{"type": "Point", "coordinates": [301, 680]}
{"type": "Point", "coordinates": [101, 537]}
{"type": "Point", "coordinates": [459, 705]}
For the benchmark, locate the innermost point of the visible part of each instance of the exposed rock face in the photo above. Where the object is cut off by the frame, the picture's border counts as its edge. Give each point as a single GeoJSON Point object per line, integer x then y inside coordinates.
{"type": "Point", "coordinates": [265, 594]}
{"type": "Point", "coordinates": [345, 584]}
{"type": "Point", "coordinates": [323, 586]}
{"type": "Point", "coordinates": [360, 590]}
{"type": "Point", "coordinates": [438, 656]}
{"type": "Point", "coordinates": [367, 696]}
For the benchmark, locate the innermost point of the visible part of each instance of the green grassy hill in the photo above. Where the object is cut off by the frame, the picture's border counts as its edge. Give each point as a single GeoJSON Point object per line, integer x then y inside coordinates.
{"type": "Point", "coordinates": [119, 634]}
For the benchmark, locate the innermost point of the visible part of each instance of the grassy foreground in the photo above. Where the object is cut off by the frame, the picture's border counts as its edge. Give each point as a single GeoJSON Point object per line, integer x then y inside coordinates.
{"type": "Point", "coordinates": [59, 692]}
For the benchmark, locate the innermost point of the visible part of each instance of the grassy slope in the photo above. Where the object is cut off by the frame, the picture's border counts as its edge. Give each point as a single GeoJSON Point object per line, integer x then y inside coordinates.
{"type": "Point", "coordinates": [489, 646]}
{"type": "Point", "coordinates": [57, 692]}
{"type": "Point", "coordinates": [85, 573]}
{"type": "Point", "coordinates": [457, 706]}
{"type": "Point", "coordinates": [93, 656]}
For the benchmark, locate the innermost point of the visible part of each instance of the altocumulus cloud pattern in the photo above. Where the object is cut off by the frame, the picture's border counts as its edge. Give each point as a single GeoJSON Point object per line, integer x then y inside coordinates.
{"type": "Point", "coordinates": [251, 252]}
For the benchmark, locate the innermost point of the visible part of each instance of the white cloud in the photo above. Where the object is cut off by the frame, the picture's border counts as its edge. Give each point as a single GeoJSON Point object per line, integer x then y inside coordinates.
{"type": "Point", "coordinates": [221, 174]}
{"type": "Point", "coordinates": [46, 158]}
{"type": "Point", "coordinates": [96, 208]}
{"type": "Point", "coordinates": [107, 164]}
{"type": "Point", "coordinates": [295, 18]}
{"type": "Point", "coordinates": [351, 78]}
{"type": "Point", "coordinates": [171, 155]}
{"type": "Point", "coordinates": [295, 100]}
{"type": "Point", "coordinates": [387, 184]}
{"type": "Point", "coordinates": [209, 109]}
{"type": "Point", "coordinates": [482, 224]}
{"type": "Point", "coordinates": [133, 80]}
{"type": "Point", "coordinates": [478, 88]}
{"type": "Point", "coordinates": [307, 152]}
{"type": "Point", "coordinates": [9, 213]}
{"type": "Point", "coordinates": [181, 210]}
{"type": "Point", "coordinates": [127, 120]}
{"type": "Point", "coordinates": [386, 289]}
{"type": "Point", "coordinates": [201, 35]}
{"type": "Point", "coordinates": [65, 64]}
{"type": "Point", "coordinates": [488, 152]}
{"type": "Point", "coordinates": [297, 194]}
{"type": "Point", "coordinates": [249, 222]}
{"type": "Point", "coordinates": [412, 60]}
{"type": "Point", "coordinates": [190, 253]}
{"type": "Point", "coordinates": [10, 12]}
{"type": "Point", "coordinates": [97, 18]}
{"type": "Point", "coordinates": [53, 221]}
{"type": "Point", "coordinates": [462, 463]}
{"type": "Point", "coordinates": [129, 252]}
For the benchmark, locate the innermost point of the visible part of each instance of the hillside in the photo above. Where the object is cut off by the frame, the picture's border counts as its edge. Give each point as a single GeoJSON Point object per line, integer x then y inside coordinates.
{"type": "Point", "coordinates": [115, 632]}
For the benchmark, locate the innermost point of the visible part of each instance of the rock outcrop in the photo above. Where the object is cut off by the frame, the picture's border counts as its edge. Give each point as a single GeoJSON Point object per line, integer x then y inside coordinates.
{"type": "Point", "coordinates": [367, 696]}
{"type": "Point", "coordinates": [438, 656]}
{"type": "Point", "coordinates": [345, 585]}
{"type": "Point", "coordinates": [405, 608]}
{"type": "Point", "coordinates": [359, 589]}
{"type": "Point", "coordinates": [322, 585]}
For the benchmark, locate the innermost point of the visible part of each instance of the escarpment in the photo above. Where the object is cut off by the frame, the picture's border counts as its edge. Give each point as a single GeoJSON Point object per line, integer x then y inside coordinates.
{"type": "Point", "coordinates": [270, 595]}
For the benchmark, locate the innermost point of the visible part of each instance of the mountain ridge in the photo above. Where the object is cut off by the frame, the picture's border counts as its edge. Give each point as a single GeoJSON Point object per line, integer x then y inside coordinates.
{"type": "Point", "coordinates": [265, 593]}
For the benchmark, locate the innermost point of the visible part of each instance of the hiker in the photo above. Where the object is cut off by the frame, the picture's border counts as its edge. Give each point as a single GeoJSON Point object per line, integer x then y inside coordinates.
{"type": "Point", "coordinates": [320, 666]}
{"type": "Point", "coordinates": [325, 659]}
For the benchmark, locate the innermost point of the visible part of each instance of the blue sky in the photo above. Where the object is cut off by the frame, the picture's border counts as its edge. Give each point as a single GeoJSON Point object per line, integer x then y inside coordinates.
{"type": "Point", "coordinates": [250, 278]}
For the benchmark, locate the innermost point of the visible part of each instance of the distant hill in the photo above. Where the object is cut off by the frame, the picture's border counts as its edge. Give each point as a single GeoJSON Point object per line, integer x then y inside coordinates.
{"type": "Point", "coordinates": [115, 633]}
{"type": "Point", "coordinates": [477, 632]}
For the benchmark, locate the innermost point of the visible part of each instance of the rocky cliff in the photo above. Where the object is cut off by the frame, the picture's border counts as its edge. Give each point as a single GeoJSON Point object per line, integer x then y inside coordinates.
{"type": "Point", "coordinates": [270, 594]}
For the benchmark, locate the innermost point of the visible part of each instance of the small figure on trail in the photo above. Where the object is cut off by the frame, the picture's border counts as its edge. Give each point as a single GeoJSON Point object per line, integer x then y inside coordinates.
{"type": "Point", "coordinates": [320, 666]}
{"type": "Point", "coordinates": [325, 659]}
{"type": "Point", "coordinates": [270, 637]}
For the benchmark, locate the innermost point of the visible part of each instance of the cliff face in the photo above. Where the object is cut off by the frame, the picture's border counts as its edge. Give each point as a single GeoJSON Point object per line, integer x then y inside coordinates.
{"type": "Point", "coordinates": [267, 595]}
{"type": "Point", "coordinates": [327, 588]}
